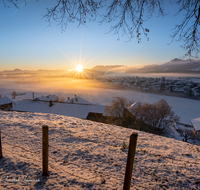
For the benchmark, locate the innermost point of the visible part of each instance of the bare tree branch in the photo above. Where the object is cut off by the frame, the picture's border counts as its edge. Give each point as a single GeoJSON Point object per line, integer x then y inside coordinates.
{"type": "Point", "coordinates": [13, 2]}
{"type": "Point", "coordinates": [66, 11]}
{"type": "Point", "coordinates": [159, 116]}
{"type": "Point", "coordinates": [188, 30]}
{"type": "Point", "coordinates": [128, 17]}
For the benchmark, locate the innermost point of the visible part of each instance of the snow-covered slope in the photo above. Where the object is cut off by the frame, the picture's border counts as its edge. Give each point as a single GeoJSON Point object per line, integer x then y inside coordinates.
{"type": "Point", "coordinates": [89, 155]}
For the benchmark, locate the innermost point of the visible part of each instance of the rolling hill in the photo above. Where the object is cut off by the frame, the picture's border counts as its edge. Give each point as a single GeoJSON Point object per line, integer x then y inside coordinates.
{"type": "Point", "coordinates": [90, 155]}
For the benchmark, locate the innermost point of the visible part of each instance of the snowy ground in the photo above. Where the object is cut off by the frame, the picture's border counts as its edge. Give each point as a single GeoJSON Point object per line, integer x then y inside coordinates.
{"type": "Point", "coordinates": [187, 109]}
{"type": "Point", "coordinates": [93, 156]}
{"type": "Point", "coordinates": [175, 134]}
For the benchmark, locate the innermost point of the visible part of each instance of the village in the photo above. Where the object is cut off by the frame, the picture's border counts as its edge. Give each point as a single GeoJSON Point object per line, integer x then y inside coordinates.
{"type": "Point", "coordinates": [182, 87]}
{"type": "Point", "coordinates": [100, 95]}
{"type": "Point", "coordinates": [72, 107]}
{"type": "Point", "coordinates": [80, 108]}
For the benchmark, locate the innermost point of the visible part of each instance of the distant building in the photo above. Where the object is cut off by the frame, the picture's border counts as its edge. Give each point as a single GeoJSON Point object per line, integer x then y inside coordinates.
{"type": "Point", "coordinates": [47, 98]}
{"type": "Point", "coordinates": [196, 126]}
{"type": "Point", "coordinates": [77, 100]}
{"type": "Point", "coordinates": [5, 103]}
{"type": "Point", "coordinates": [75, 107]}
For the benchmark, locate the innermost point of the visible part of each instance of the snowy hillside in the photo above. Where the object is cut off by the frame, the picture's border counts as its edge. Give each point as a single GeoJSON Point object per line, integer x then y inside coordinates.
{"type": "Point", "coordinates": [89, 155]}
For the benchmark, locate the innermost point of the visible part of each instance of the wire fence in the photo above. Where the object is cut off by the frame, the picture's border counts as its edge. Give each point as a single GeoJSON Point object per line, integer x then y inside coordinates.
{"type": "Point", "coordinates": [142, 151]}
{"type": "Point", "coordinates": [13, 141]}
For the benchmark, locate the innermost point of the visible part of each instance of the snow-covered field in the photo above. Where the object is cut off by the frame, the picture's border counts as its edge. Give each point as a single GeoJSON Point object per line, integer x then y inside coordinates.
{"type": "Point", "coordinates": [186, 109]}
{"type": "Point", "coordinates": [89, 155]}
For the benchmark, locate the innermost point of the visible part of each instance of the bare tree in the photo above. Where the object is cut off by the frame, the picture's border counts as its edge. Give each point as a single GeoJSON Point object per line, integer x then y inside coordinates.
{"type": "Point", "coordinates": [14, 93]}
{"type": "Point", "coordinates": [155, 118]}
{"type": "Point", "coordinates": [128, 17]}
{"type": "Point", "coordinates": [60, 99]}
{"type": "Point", "coordinates": [117, 112]}
{"type": "Point", "coordinates": [186, 135]}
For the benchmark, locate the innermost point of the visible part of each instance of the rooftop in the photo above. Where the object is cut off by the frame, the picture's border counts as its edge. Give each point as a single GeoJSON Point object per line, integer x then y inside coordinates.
{"type": "Point", "coordinates": [78, 100]}
{"type": "Point", "coordinates": [48, 98]}
{"type": "Point", "coordinates": [196, 123]}
{"type": "Point", "coordinates": [5, 100]}
{"type": "Point", "coordinates": [67, 109]}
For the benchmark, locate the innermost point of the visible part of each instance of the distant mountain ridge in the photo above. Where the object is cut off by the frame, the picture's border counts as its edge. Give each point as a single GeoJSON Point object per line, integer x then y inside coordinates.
{"type": "Point", "coordinates": [174, 66]}
{"type": "Point", "coordinates": [29, 71]}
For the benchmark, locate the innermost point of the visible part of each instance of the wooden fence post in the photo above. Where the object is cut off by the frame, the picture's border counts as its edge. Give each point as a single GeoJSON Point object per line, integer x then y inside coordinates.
{"type": "Point", "coordinates": [130, 161]}
{"type": "Point", "coordinates": [45, 150]}
{"type": "Point", "coordinates": [1, 155]}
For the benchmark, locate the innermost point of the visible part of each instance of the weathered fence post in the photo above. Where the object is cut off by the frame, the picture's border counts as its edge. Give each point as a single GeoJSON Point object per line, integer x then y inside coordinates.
{"type": "Point", "coordinates": [130, 161]}
{"type": "Point", "coordinates": [1, 155]}
{"type": "Point", "coordinates": [45, 150]}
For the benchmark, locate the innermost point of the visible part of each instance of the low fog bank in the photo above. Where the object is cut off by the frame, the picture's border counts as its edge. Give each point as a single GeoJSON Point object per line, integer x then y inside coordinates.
{"type": "Point", "coordinates": [153, 75]}
{"type": "Point", "coordinates": [186, 108]}
{"type": "Point", "coordinates": [91, 90]}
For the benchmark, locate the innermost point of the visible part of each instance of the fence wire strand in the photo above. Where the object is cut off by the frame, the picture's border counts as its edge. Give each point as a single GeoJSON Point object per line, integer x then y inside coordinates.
{"type": "Point", "coordinates": [95, 172]}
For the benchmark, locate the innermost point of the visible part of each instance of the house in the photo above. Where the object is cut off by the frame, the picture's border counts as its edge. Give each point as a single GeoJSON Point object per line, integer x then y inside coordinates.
{"type": "Point", "coordinates": [79, 108]}
{"type": "Point", "coordinates": [5, 103]}
{"type": "Point", "coordinates": [47, 98]}
{"type": "Point", "coordinates": [77, 100]}
{"type": "Point", "coordinates": [196, 126]}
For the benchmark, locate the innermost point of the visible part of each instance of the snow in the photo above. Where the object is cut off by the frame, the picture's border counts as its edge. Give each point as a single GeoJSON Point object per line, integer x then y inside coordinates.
{"type": "Point", "coordinates": [132, 105]}
{"type": "Point", "coordinates": [5, 100]}
{"type": "Point", "coordinates": [48, 98]}
{"type": "Point", "coordinates": [93, 156]}
{"type": "Point", "coordinates": [66, 109]}
{"type": "Point", "coordinates": [186, 109]}
{"type": "Point", "coordinates": [78, 100]}
{"type": "Point", "coordinates": [196, 124]}
{"type": "Point", "coordinates": [196, 69]}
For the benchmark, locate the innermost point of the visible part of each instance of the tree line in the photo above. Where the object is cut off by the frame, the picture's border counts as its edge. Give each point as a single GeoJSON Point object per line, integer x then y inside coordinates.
{"type": "Point", "coordinates": [157, 118]}
{"type": "Point", "coordinates": [153, 118]}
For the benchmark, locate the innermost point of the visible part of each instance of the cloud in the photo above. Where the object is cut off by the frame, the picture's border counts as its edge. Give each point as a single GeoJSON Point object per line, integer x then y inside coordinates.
{"type": "Point", "coordinates": [123, 69]}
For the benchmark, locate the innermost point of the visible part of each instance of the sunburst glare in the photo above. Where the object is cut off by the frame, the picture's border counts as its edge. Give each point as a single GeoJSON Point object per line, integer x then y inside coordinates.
{"type": "Point", "coordinates": [79, 68]}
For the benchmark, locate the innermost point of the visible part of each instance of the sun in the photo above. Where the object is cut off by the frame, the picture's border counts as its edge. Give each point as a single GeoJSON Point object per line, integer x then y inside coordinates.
{"type": "Point", "coordinates": [79, 68]}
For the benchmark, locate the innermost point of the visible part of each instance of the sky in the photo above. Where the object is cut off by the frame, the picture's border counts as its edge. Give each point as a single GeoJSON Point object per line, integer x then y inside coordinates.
{"type": "Point", "coordinates": [28, 42]}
